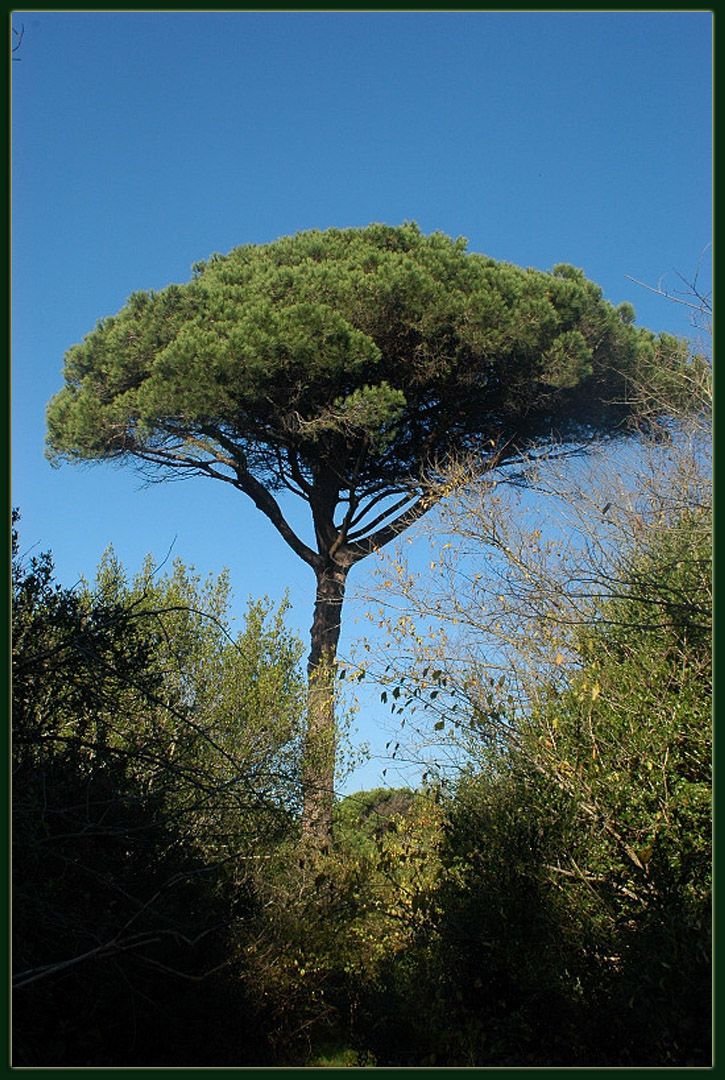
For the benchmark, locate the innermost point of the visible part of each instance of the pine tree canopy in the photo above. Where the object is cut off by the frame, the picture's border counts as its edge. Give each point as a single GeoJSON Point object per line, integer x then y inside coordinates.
{"type": "Point", "coordinates": [350, 361]}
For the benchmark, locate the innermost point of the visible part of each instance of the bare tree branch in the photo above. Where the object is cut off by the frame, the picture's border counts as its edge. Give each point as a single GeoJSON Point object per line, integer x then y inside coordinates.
{"type": "Point", "coordinates": [19, 35]}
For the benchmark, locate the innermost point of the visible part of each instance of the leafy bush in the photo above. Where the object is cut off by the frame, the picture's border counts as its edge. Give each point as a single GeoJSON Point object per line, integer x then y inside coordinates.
{"type": "Point", "coordinates": [125, 901]}
{"type": "Point", "coordinates": [570, 920]}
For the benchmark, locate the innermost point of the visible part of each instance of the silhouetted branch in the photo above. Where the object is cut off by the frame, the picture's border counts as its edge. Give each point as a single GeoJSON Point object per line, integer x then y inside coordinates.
{"type": "Point", "coordinates": [19, 34]}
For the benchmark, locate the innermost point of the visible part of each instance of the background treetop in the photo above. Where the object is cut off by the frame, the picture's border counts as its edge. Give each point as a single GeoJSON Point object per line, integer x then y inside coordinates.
{"type": "Point", "coordinates": [351, 359]}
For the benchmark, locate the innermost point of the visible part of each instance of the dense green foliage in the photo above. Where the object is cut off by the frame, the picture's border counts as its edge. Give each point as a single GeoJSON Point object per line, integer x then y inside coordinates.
{"type": "Point", "coordinates": [140, 796]}
{"type": "Point", "coordinates": [361, 353]}
{"type": "Point", "coordinates": [232, 702]}
{"type": "Point", "coordinates": [575, 924]}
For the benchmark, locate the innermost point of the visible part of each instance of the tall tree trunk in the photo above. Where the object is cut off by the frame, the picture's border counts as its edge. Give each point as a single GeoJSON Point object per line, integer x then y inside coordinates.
{"type": "Point", "coordinates": [318, 766]}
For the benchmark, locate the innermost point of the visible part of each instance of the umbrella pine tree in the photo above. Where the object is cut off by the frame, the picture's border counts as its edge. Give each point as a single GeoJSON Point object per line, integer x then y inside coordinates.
{"type": "Point", "coordinates": [344, 366]}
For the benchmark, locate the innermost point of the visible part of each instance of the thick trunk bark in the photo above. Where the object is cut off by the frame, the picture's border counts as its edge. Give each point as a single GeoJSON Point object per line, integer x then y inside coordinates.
{"type": "Point", "coordinates": [318, 766]}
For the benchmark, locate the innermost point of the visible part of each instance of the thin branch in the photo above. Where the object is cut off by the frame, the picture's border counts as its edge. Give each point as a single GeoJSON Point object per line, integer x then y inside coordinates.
{"type": "Point", "coordinates": [360, 534]}
{"type": "Point", "coordinates": [703, 304]}
{"type": "Point", "coordinates": [109, 948]}
{"type": "Point", "coordinates": [265, 502]}
{"type": "Point", "coordinates": [383, 536]}
{"type": "Point", "coordinates": [19, 35]}
{"type": "Point", "coordinates": [297, 473]}
{"type": "Point", "coordinates": [243, 480]}
{"type": "Point", "coordinates": [377, 497]}
{"type": "Point", "coordinates": [342, 529]}
{"type": "Point", "coordinates": [295, 488]}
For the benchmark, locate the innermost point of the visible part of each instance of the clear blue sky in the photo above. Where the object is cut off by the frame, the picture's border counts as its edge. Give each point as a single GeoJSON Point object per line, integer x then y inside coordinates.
{"type": "Point", "coordinates": [143, 142]}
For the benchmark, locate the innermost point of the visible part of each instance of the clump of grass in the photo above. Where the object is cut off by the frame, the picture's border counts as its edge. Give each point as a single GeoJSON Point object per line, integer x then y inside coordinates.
{"type": "Point", "coordinates": [340, 1056]}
